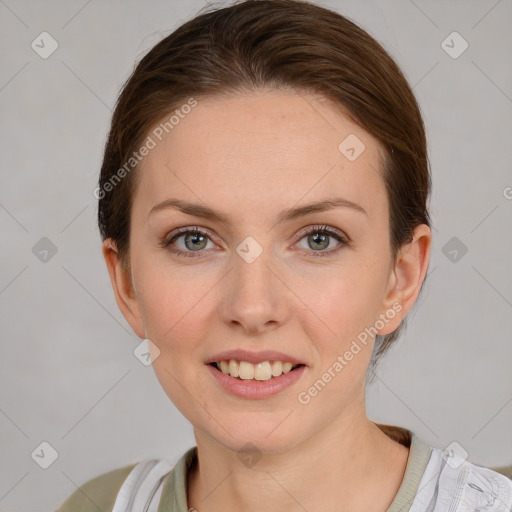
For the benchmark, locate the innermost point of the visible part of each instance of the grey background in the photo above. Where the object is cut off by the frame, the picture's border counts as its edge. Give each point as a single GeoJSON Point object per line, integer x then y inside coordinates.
{"type": "Point", "coordinates": [68, 374]}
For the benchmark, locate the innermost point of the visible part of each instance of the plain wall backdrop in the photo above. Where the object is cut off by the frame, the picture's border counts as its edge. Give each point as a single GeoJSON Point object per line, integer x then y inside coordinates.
{"type": "Point", "coordinates": [68, 373]}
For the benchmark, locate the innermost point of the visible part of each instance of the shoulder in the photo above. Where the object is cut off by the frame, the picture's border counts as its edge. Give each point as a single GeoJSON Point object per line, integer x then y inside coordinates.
{"type": "Point", "coordinates": [485, 489]}
{"type": "Point", "coordinates": [451, 482]}
{"type": "Point", "coordinates": [98, 494]}
{"type": "Point", "coordinates": [488, 488]}
{"type": "Point", "coordinates": [504, 470]}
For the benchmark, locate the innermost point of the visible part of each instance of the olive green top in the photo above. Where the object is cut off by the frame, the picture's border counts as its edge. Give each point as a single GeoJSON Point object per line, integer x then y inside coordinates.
{"type": "Point", "coordinates": [99, 494]}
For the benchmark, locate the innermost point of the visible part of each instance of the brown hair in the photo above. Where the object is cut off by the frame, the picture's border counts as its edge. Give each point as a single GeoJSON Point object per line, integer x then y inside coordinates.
{"type": "Point", "coordinates": [272, 43]}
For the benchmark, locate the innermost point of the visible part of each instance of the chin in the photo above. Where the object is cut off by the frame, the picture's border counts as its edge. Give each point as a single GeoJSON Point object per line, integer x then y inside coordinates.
{"type": "Point", "coordinates": [252, 434]}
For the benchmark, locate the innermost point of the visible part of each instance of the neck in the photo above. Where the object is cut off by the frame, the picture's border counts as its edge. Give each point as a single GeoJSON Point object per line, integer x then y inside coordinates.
{"type": "Point", "coordinates": [350, 467]}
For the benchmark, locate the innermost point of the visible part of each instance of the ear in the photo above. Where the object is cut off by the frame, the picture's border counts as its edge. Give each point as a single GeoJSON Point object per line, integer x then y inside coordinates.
{"type": "Point", "coordinates": [123, 288]}
{"type": "Point", "coordinates": [407, 276]}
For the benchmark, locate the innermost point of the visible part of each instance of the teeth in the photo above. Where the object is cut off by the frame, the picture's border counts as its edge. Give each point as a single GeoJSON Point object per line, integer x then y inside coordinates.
{"type": "Point", "coordinates": [277, 368]}
{"type": "Point", "coordinates": [248, 371]}
{"type": "Point", "coordinates": [233, 368]}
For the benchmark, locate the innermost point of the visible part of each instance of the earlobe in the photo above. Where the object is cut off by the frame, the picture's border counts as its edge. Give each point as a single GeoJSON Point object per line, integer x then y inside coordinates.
{"type": "Point", "coordinates": [122, 287]}
{"type": "Point", "coordinates": [407, 276]}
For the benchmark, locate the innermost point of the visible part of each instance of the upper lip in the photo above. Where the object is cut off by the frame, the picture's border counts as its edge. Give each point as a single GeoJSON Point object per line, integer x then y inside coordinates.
{"type": "Point", "coordinates": [253, 357]}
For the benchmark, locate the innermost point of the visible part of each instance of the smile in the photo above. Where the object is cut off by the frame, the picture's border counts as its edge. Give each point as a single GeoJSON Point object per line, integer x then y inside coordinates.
{"type": "Point", "coordinates": [245, 370]}
{"type": "Point", "coordinates": [247, 385]}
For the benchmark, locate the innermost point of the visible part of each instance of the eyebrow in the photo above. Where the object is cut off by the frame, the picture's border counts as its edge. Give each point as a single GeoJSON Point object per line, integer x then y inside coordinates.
{"type": "Point", "coordinates": [206, 212]}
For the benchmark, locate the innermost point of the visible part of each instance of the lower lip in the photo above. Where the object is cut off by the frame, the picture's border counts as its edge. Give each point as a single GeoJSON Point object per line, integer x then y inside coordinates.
{"type": "Point", "coordinates": [257, 388]}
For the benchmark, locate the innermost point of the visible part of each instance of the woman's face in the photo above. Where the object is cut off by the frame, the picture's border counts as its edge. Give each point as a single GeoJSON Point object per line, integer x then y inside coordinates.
{"type": "Point", "coordinates": [257, 280]}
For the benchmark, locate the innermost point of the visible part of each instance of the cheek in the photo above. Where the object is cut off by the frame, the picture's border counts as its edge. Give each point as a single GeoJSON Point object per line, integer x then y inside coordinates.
{"type": "Point", "coordinates": [171, 297]}
{"type": "Point", "coordinates": [347, 299]}
{"type": "Point", "coordinates": [177, 309]}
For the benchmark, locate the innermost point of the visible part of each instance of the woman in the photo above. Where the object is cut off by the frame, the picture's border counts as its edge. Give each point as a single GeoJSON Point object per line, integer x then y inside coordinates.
{"type": "Point", "coordinates": [263, 209]}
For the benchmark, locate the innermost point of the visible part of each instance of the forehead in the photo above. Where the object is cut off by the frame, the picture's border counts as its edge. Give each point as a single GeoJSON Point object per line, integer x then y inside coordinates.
{"type": "Point", "coordinates": [249, 151]}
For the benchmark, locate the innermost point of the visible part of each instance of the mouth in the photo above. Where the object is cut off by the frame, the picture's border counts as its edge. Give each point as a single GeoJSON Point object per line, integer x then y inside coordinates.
{"type": "Point", "coordinates": [244, 370]}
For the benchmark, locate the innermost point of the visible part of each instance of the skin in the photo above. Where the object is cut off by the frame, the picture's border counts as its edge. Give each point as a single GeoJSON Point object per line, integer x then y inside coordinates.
{"type": "Point", "coordinates": [250, 156]}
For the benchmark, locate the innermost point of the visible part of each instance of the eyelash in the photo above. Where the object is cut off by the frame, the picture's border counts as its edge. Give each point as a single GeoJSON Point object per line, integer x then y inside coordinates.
{"type": "Point", "coordinates": [323, 230]}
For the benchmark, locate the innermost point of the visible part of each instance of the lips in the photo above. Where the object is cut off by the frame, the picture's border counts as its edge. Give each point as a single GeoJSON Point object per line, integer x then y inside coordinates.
{"type": "Point", "coordinates": [256, 389]}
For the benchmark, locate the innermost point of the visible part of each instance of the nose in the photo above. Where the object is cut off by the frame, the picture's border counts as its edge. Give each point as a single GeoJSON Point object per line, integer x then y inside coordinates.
{"type": "Point", "coordinates": [255, 297]}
